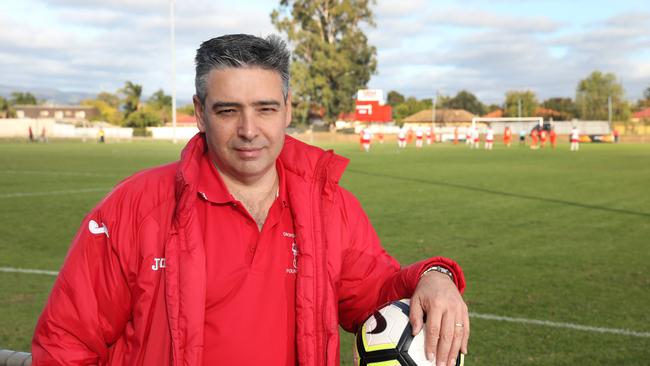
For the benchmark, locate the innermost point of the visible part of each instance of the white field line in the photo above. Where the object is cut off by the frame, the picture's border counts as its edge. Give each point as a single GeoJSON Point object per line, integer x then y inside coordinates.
{"type": "Point", "coordinates": [53, 193]}
{"type": "Point", "coordinates": [545, 323]}
{"type": "Point", "coordinates": [53, 172]}
{"type": "Point", "coordinates": [27, 270]}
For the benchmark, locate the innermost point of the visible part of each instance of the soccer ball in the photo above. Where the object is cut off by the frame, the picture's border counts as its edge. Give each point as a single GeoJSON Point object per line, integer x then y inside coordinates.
{"type": "Point", "coordinates": [385, 339]}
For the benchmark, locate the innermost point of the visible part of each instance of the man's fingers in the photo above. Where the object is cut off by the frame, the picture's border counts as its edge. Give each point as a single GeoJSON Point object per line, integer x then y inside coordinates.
{"type": "Point", "coordinates": [416, 315]}
{"type": "Point", "coordinates": [464, 347]}
{"type": "Point", "coordinates": [459, 333]}
{"type": "Point", "coordinates": [432, 333]}
{"type": "Point", "coordinates": [446, 339]}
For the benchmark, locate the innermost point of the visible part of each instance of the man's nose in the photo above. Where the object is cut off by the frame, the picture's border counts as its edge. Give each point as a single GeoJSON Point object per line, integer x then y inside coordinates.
{"type": "Point", "coordinates": [247, 126]}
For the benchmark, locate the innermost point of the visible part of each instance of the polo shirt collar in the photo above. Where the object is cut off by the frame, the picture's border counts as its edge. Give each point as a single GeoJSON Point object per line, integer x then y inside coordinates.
{"type": "Point", "coordinates": [210, 185]}
{"type": "Point", "coordinates": [213, 189]}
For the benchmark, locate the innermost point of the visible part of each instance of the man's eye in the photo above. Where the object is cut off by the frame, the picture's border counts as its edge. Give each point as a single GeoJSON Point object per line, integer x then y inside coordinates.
{"type": "Point", "coordinates": [225, 112]}
{"type": "Point", "coordinates": [268, 110]}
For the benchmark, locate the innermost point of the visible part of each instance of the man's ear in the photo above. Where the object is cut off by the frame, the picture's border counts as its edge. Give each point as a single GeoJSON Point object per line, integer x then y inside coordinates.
{"type": "Point", "coordinates": [288, 117]}
{"type": "Point", "coordinates": [199, 113]}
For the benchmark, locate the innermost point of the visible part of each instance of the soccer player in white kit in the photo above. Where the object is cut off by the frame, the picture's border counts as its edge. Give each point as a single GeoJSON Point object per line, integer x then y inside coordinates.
{"type": "Point", "coordinates": [489, 138]}
{"type": "Point", "coordinates": [401, 139]}
{"type": "Point", "coordinates": [419, 135]}
{"type": "Point", "coordinates": [366, 137]}
{"type": "Point", "coordinates": [575, 139]}
{"type": "Point", "coordinates": [475, 138]}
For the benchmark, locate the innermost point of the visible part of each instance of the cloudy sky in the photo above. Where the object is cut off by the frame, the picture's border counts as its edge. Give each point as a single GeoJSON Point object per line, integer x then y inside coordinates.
{"type": "Point", "coordinates": [486, 47]}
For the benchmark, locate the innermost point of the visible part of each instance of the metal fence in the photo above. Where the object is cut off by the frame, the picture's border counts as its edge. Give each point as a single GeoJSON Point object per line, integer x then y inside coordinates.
{"type": "Point", "coordinates": [13, 358]}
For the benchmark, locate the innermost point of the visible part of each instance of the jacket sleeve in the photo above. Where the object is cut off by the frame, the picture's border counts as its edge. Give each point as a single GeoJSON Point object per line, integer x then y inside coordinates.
{"type": "Point", "coordinates": [370, 277]}
{"type": "Point", "coordinates": [90, 302]}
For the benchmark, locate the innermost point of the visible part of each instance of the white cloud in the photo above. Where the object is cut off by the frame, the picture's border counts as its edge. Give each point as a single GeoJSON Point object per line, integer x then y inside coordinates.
{"type": "Point", "coordinates": [422, 45]}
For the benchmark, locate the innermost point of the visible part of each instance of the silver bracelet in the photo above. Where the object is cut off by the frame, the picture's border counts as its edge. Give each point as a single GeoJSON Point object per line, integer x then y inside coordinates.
{"type": "Point", "coordinates": [442, 270]}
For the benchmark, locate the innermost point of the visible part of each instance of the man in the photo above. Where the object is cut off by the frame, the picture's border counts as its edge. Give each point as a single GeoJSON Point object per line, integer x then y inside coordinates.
{"type": "Point", "coordinates": [489, 138]}
{"type": "Point", "coordinates": [419, 135]}
{"type": "Point", "coordinates": [575, 139]}
{"type": "Point", "coordinates": [542, 137]}
{"type": "Point", "coordinates": [552, 135]}
{"type": "Point", "coordinates": [102, 135]}
{"type": "Point", "coordinates": [366, 138]}
{"type": "Point", "coordinates": [401, 139]}
{"type": "Point", "coordinates": [534, 135]}
{"type": "Point", "coordinates": [475, 137]}
{"type": "Point", "coordinates": [522, 137]}
{"type": "Point", "coordinates": [507, 136]}
{"type": "Point", "coordinates": [245, 252]}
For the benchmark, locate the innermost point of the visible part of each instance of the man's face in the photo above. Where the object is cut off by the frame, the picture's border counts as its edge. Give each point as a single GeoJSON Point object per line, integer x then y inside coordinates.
{"type": "Point", "coordinates": [244, 117]}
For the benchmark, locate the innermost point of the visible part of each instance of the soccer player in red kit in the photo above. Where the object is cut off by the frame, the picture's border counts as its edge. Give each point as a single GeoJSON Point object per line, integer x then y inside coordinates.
{"type": "Point", "coordinates": [534, 135]}
{"type": "Point", "coordinates": [553, 137]}
{"type": "Point", "coordinates": [507, 136]}
{"type": "Point", "coordinates": [542, 137]}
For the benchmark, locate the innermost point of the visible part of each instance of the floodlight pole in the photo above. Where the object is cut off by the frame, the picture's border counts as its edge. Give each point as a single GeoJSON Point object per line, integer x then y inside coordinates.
{"type": "Point", "coordinates": [609, 111]}
{"type": "Point", "coordinates": [433, 114]}
{"type": "Point", "coordinates": [173, 73]}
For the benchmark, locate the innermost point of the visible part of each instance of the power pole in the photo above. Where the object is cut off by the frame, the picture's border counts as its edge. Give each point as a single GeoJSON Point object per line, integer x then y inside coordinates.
{"type": "Point", "coordinates": [609, 111]}
{"type": "Point", "coordinates": [173, 73]}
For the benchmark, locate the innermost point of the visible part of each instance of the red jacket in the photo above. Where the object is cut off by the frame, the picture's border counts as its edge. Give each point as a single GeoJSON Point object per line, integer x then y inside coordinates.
{"type": "Point", "coordinates": [117, 302]}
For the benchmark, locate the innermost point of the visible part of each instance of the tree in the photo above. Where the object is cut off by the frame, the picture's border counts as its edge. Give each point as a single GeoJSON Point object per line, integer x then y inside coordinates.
{"type": "Point", "coordinates": [5, 108]}
{"type": "Point", "coordinates": [411, 106]}
{"type": "Point", "coordinates": [161, 104]}
{"type": "Point", "coordinates": [110, 99]}
{"type": "Point", "coordinates": [23, 98]}
{"type": "Point", "coordinates": [492, 107]}
{"type": "Point", "coordinates": [332, 59]}
{"type": "Point", "coordinates": [528, 102]}
{"type": "Point", "coordinates": [160, 100]}
{"type": "Point", "coordinates": [394, 98]}
{"type": "Point", "coordinates": [645, 102]}
{"type": "Point", "coordinates": [142, 119]}
{"type": "Point", "coordinates": [186, 109]}
{"type": "Point", "coordinates": [592, 96]}
{"type": "Point", "coordinates": [565, 106]}
{"type": "Point", "coordinates": [467, 101]}
{"type": "Point", "coordinates": [108, 106]}
{"type": "Point", "coordinates": [132, 94]}
{"type": "Point", "coordinates": [107, 112]}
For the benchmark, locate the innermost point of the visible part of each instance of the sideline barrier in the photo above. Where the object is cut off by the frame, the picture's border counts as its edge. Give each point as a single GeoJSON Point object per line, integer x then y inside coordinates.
{"type": "Point", "coordinates": [13, 358]}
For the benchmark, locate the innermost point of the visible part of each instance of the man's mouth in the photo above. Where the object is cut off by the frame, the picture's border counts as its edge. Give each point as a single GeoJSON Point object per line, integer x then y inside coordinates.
{"type": "Point", "coordinates": [248, 152]}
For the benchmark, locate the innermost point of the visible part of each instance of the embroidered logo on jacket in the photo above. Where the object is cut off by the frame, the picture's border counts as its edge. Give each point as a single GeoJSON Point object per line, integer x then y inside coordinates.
{"type": "Point", "coordinates": [94, 228]}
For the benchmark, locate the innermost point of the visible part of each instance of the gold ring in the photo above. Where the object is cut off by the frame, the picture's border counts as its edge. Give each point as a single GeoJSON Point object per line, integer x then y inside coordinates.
{"type": "Point", "coordinates": [459, 325]}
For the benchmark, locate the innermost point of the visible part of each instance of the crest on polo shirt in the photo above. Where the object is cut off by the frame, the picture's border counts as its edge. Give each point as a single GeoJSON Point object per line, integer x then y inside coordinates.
{"type": "Point", "coordinates": [294, 252]}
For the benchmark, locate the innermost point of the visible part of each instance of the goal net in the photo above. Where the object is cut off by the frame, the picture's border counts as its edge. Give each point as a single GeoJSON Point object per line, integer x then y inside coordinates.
{"type": "Point", "coordinates": [516, 124]}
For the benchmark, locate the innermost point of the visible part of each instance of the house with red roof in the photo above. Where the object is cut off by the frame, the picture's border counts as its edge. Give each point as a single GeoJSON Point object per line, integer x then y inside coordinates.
{"type": "Point", "coordinates": [641, 115]}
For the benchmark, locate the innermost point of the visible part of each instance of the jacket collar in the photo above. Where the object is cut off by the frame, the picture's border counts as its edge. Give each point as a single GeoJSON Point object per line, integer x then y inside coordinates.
{"type": "Point", "coordinates": [296, 156]}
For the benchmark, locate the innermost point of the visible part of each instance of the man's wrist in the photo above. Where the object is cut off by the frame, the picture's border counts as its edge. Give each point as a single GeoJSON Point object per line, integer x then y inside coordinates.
{"type": "Point", "coordinates": [438, 269]}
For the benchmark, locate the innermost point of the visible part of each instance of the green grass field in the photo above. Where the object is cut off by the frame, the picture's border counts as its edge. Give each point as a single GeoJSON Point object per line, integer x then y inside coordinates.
{"type": "Point", "coordinates": [546, 235]}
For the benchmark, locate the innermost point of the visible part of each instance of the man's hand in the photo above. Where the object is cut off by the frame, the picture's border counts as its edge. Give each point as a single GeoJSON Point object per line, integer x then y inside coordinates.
{"type": "Point", "coordinates": [447, 326]}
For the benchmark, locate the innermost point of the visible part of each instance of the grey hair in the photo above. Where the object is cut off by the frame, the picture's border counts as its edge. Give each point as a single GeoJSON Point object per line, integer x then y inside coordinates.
{"type": "Point", "coordinates": [238, 51]}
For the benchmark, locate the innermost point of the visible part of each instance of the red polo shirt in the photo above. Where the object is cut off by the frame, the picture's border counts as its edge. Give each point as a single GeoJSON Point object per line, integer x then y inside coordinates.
{"type": "Point", "coordinates": [251, 277]}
